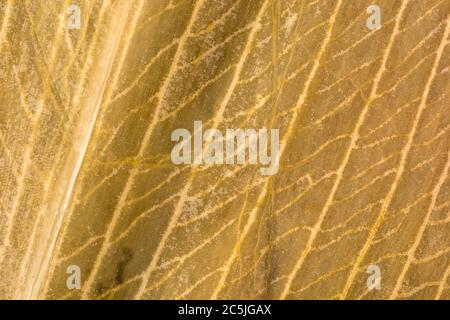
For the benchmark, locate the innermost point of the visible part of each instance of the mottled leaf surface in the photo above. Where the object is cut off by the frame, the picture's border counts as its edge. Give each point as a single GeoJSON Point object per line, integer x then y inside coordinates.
{"type": "Point", "coordinates": [87, 179]}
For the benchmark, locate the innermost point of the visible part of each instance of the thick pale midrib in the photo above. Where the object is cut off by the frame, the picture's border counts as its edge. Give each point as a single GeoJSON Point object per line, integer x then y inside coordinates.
{"type": "Point", "coordinates": [87, 288]}
{"type": "Point", "coordinates": [65, 217]}
{"type": "Point", "coordinates": [218, 117]}
{"type": "Point", "coordinates": [442, 178]}
{"type": "Point", "coordinates": [82, 135]}
{"type": "Point", "coordinates": [261, 198]}
{"type": "Point", "coordinates": [37, 116]}
{"type": "Point", "coordinates": [401, 168]}
{"type": "Point", "coordinates": [354, 138]}
{"type": "Point", "coordinates": [98, 125]}
{"type": "Point", "coordinates": [27, 161]}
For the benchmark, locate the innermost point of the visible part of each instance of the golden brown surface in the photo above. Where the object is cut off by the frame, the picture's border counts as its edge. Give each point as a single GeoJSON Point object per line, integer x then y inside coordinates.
{"type": "Point", "coordinates": [86, 175]}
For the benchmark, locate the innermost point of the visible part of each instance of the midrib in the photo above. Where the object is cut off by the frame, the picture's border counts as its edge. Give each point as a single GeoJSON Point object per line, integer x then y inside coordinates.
{"type": "Point", "coordinates": [63, 187]}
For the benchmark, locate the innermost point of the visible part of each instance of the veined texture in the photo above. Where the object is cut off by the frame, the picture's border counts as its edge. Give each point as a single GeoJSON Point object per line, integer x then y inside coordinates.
{"type": "Point", "coordinates": [85, 149]}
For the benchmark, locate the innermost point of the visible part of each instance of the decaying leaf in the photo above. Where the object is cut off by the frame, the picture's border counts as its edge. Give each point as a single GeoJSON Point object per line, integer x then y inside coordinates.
{"type": "Point", "coordinates": [88, 184]}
